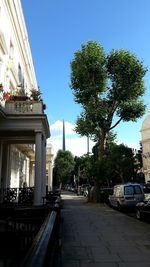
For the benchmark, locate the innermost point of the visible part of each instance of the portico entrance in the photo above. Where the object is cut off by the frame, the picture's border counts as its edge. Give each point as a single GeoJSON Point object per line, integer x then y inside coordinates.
{"type": "Point", "coordinates": [23, 127]}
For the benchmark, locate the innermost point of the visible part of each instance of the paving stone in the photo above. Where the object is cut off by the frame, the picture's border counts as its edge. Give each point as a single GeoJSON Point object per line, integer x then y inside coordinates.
{"type": "Point", "coordinates": [98, 264]}
{"type": "Point", "coordinates": [94, 235]}
{"type": "Point", "coordinates": [133, 264]}
{"type": "Point", "coordinates": [76, 253]}
{"type": "Point", "coordinates": [135, 257]}
{"type": "Point", "coordinates": [71, 264]}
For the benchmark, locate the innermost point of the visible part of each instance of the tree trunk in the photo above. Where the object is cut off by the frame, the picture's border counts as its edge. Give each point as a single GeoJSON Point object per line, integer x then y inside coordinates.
{"type": "Point", "coordinates": [102, 145]}
{"type": "Point", "coordinates": [101, 153]}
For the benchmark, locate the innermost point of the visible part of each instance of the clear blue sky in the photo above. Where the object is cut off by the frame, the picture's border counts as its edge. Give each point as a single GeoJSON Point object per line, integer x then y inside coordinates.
{"type": "Point", "coordinates": [57, 28]}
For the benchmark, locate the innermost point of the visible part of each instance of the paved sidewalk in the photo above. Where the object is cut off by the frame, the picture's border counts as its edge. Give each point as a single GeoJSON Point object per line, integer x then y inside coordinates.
{"type": "Point", "coordinates": [94, 235]}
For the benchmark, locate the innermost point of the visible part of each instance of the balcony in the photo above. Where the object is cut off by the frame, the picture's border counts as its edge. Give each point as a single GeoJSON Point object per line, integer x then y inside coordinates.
{"type": "Point", "coordinates": [24, 107]}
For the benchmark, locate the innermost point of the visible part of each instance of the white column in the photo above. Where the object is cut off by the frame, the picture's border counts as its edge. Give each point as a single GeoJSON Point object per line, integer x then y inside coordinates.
{"type": "Point", "coordinates": [27, 171]}
{"type": "Point", "coordinates": [49, 181]}
{"type": "Point", "coordinates": [1, 152]}
{"type": "Point", "coordinates": [38, 169]}
{"type": "Point", "coordinates": [44, 168]}
{"type": "Point", "coordinates": [50, 184]}
{"type": "Point", "coordinates": [6, 166]}
{"type": "Point", "coordinates": [5, 170]}
{"type": "Point", "coordinates": [31, 173]}
{"type": "Point", "coordinates": [51, 175]}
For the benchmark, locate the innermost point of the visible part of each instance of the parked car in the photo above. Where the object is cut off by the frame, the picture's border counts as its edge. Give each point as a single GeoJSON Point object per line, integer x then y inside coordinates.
{"type": "Point", "coordinates": [143, 208]}
{"type": "Point", "coordinates": [146, 189]}
{"type": "Point", "coordinates": [126, 195]}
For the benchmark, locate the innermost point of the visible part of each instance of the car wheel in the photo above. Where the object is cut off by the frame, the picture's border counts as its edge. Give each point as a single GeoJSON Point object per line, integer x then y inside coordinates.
{"type": "Point", "coordinates": [138, 214]}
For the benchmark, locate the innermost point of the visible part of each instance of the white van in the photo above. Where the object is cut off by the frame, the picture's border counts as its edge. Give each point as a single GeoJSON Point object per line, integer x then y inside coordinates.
{"type": "Point", "coordinates": [126, 195]}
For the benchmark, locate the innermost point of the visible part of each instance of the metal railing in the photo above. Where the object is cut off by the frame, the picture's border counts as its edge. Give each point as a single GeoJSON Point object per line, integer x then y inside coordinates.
{"type": "Point", "coordinates": [29, 236]}
{"type": "Point", "coordinates": [46, 242]}
{"type": "Point", "coordinates": [19, 228]}
{"type": "Point", "coordinates": [17, 195]}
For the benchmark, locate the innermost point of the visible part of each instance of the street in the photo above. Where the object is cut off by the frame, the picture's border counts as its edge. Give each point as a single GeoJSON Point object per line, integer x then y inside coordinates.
{"type": "Point", "coordinates": [95, 235]}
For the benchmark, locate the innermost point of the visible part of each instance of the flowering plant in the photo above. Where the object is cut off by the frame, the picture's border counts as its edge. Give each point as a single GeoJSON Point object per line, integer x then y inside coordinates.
{"type": "Point", "coordinates": [6, 96]}
{"type": "Point", "coordinates": [3, 95]}
{"type": "Point", "coordinates": [1, 87]}
{"type": "Point", "coordinates": [35, 94]}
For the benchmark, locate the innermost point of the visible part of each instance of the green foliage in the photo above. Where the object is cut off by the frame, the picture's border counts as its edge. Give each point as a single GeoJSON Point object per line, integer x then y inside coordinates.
{"type": "Point", "coordinates": [63, 165]}
{"type": "Point", "coordinates": [130, 111]}
{"type": "Point", "coordinates": [120, 164]}
{"type": "Point", "coordinates": [83, 169]}
{"type": "Point", "coordinates": [106, 86]}
{"type": "Point", "coordinates": [125, 72]}
{"type": "Point", "coordinates": [88, 75]}
{"type": "Point", "coordinates": [117, 165]}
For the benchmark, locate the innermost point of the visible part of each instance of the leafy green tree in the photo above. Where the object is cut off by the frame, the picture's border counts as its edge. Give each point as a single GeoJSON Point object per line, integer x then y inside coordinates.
{"type": "Point", "coordinates": [116, 167]}
{"type": "Point", "coordinates": [109, 89]}
{"type": "Point", "coordinates": [120, 164]}
{"type": "Point", "coordinates": [63, 166]}
{"type": "Point", "coordinates": [138, 165]}
{"type": "Point", "coordinates": [83, 169]}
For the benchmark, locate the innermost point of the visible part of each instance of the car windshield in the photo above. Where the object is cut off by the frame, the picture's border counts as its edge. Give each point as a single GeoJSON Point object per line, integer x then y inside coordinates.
{"type": "Point", "coordinates": [128, 190]}
{"type": "Point", "coordinates": [137, 189]}
{"type": "Point", "coordinates": [131, 190]}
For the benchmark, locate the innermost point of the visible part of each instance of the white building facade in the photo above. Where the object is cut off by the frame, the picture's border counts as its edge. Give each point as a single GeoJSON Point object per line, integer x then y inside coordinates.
{"type": "Point", "coordinates": [24, 127]}
{"type": "Point", "coordinates": [16, 66]}
{"type": "Point", "coordinates": [145, 133]}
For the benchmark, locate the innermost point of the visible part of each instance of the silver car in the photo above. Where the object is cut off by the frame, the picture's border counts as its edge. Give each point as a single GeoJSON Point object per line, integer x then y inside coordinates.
{"type": "Point", "coordinates": [126, 195]}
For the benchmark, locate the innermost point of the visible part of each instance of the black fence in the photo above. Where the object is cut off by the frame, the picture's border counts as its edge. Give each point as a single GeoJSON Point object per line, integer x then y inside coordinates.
{"type": "Point", "coordinates": [29, 233]}
{"type": "Point", "coordinates": [25, 196]}
{"type": "Point", "coordinates": [16, 195]}
{"type": "Point", "coordinates": [46, 243]}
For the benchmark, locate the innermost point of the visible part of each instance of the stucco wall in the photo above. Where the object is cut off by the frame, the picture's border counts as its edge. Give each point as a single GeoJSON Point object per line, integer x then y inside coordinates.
{"type": "Point", "coordinates": [15, 53]}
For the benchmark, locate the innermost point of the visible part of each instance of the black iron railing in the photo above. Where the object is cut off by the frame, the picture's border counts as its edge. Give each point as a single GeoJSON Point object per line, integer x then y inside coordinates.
{"type": "Point", "coordinates": [19, 195]}
{"type": "Point", "coordinates": [46, 243]}
{"type": "Point", "coordinates": [24, 196]}
{"type": "Point", "coordinates": [29, 233]}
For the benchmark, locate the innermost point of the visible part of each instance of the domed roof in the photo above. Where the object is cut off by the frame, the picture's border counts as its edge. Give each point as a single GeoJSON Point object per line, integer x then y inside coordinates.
{"type": "Point", "coordinates": [146, 123]}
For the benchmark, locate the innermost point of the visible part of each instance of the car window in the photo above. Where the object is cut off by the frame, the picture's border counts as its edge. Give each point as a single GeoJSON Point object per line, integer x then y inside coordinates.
{"type": "Point", "coordinates": [137, 189]}
{"type": "Point", "coordinates": [128, 190]}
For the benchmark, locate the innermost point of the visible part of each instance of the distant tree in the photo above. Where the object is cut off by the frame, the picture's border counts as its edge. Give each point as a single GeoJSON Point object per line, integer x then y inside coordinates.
{"type": "Point", "coordinates": [138, 165]}
{"type": "Point", "coordinates": [63, 166]}
{"type": "Point", "coordinates": [109, 89]}
{"type": "Point", "coordinates": [120, 164]}
{"type": "Point", "coordinates": [100, 169]}
{"type": "Point", "coordinates": [83, 169]}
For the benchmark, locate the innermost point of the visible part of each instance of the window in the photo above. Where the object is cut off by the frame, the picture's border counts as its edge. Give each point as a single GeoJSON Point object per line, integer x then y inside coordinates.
{"type": "Point", "coordinates": [137, 190]}
{"type": "Point", "coordinates": [11, 50]}
{"type": "Point", "coordinates": [128, 190]}
{"type": "Point", "coordinates": [20, 76]}
{"type": "Point", "coordinates": [19, 73]}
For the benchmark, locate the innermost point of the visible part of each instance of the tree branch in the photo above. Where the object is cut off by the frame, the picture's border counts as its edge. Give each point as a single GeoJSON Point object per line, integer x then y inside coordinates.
{"type": "Point", "coordinates": [115, 124]}
{"type": "Point", "coordinates": [113, 109]}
